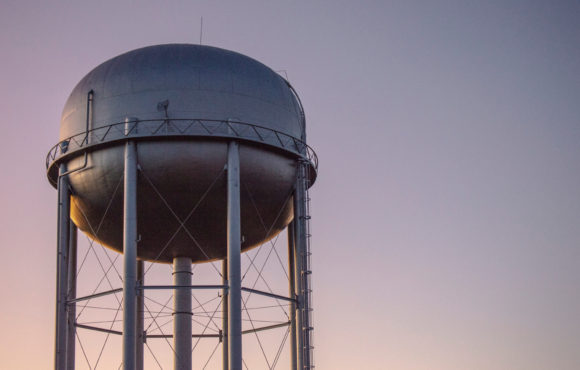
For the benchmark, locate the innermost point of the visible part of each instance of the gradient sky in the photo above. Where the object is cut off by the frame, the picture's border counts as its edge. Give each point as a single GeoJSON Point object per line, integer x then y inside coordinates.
{"type": "Point", "coordinates": [446, 217]}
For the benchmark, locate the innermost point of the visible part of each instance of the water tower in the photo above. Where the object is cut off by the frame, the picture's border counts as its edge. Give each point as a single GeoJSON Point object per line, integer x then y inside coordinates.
{"type": "Point", "coordinates": [210, 147]}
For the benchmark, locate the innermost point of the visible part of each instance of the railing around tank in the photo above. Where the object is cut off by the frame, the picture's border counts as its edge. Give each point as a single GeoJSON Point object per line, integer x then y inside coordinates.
{"type": "Point", "coordinates": [180, 127]}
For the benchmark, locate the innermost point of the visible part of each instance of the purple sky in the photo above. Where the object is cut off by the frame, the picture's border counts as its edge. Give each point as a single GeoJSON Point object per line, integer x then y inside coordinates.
{"type": "Point", "coordinates": [446, 216]}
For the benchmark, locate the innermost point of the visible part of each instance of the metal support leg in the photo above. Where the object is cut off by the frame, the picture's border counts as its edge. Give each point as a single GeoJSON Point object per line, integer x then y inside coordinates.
{"type": "Point", "coordinates": [139, 356]}
{"type": "Point", "coordinates": [225, 363]}
{"type": "Point", "coordinates": [234, 260]}
{"type": "Point", "coordinates": [182, 314]}
{"type": "Point", "coordinates": [292, 294]}
{"type": "Point", "coordinates": [60, 355]}
{"type": "Point", "coordinates": [130, 257]}
{"type": "Point", "coordinates": [72, 294]}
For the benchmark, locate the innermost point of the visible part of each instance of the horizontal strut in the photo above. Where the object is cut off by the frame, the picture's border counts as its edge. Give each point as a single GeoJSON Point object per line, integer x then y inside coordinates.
{"type": "Point", "coordinates": [266, 328]}
{"type": "Point", "coordinates": [94, 328]}
{"type": "Point", "coordinates": [161, 287]}
{"type": "Point", "coordinates": [154, 336]}
{"type": "Point", "coordinates": [271, 295]}
{"type": "Point", "coordinates": [96, 295]}
{"type": "Point", "coordinates": [275, 326]}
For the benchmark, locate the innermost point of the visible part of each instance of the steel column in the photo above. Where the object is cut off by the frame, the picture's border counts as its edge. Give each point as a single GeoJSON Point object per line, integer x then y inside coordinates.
{"type": "Point", "coordinates": [139, 354]}
{"type": "Point", "coordinates": [182, 314]}
{"type": "Point", "coordinates": [130, 257]}
{"type": "Point", "coordinates": [292, 294]}
{"type": "Point", "coordinates": [234, 259]}
{"type": "Point", "coordinates": [60, 355]}
{"type": "Point", "coordinates": [224, 338]}
{"type": "Point", "coordinates": [72, 294]}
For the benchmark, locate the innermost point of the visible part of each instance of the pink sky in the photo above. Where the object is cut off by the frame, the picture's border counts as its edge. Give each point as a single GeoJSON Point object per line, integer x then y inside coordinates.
{"type": "Point", "coordinates": [446, 213]}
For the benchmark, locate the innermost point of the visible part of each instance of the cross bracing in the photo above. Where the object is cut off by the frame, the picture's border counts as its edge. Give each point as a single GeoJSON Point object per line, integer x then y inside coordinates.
{"type": "Point", "coordinates": [266, 325]}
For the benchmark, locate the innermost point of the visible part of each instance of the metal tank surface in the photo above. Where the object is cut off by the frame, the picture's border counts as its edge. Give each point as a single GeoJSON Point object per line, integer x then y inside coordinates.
{"type": "Point", "coordinates": [181, 104]}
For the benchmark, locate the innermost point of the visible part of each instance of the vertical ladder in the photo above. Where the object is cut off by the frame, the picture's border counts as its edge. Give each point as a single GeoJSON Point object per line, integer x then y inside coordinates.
{"type": "Point", "coordinates": [306, 275]}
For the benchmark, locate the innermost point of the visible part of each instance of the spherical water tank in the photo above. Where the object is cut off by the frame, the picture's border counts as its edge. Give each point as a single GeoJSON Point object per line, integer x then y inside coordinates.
{"type": "Point", "coordinates": [182, 104]}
